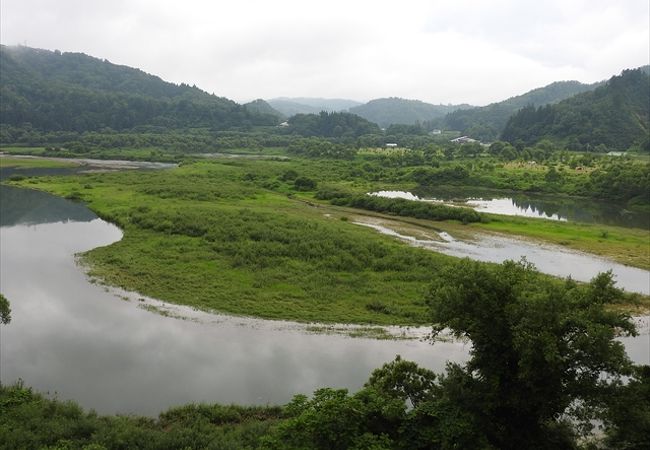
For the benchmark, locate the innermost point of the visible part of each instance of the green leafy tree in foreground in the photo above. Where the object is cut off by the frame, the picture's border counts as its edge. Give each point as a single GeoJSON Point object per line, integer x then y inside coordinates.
{"type": "Point", "coordinates": [5, 310]}
{"type": "Point", "coordinates": [544, 365]}
{"type": "Point", "coordinates": [541, 350]}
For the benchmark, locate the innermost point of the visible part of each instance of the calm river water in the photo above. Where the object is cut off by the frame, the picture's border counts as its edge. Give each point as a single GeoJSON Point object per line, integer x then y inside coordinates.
{"type": "Point", "coordinates": [83, 341]}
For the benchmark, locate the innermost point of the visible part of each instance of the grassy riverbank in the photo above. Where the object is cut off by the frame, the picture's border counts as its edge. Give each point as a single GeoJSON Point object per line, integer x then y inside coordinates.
{"type": "Point", "coordinates": [210, 235]}
{"type": "Point", "coordinates": [249, 238]}
{"type": "Point", "coordinates": [630, 246]}
{"type": "Point", "coordinates": [34, 163]}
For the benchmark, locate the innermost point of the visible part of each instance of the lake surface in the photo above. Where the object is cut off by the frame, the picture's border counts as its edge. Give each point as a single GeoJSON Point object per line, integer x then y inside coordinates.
{"type": "Point", "coordinates": [86, 343]}
{"type": "Point", "coordinates": [529, 205]}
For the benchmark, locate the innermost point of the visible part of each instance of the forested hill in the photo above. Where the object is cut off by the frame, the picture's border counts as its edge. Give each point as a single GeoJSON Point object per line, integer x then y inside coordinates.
{"type": "Point", "coordinates": [290, 106]}
{"type": "Point", "coordinates": [487, 122]}
{"type": "Point", "coordinates": [54, 91]}
{"type": "Point", "coordinates": [393, 110]}
{"type": "Point", "coordinates": [333, 125]}
{"type": "Point", "coordinates": [615, 116]}
{"type": "Point", "coordinates": [262, 107]}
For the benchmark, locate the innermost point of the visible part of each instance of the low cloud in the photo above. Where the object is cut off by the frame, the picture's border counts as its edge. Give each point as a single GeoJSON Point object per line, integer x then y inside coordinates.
{"type": "Point", "coordinates": [436, 51]}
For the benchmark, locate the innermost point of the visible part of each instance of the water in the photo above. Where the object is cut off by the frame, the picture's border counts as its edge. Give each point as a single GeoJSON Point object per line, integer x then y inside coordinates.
{"type": "Point", "coordinates": [530, 205]}
{"type": "Point", "coordinates": [550, 259]}
{"type": "Point", "coordinates": [85, 343]}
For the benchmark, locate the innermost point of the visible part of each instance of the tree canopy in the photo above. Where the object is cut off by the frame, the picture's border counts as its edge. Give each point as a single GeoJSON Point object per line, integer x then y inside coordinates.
{"type": "Point", "coordinates": [544, 365]}
{"type": "Point", "coordinates": [54, 91]}
{"type": "Point", "coordinates": [487, 122]}
{"type": "Point", "coordinates": [332, 125]}
{"type": "Point", "coordinates": [5, 310]}
{"type": "Point", "coordinates": [616, 116]}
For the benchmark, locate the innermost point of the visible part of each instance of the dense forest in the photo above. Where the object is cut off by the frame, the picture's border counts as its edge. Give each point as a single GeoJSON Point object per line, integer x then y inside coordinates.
{"type": "Point", "coordinates": [259, 106]}
{"type": "Point", "coordinates": [54, 91]}
{"type": "Point", "coordinates": [487, 122]}
{"type": "Point", "coordinates": [387, 111]}
{"type": "Point", "coordinates": [332, 125]}
{"type": "Point", "coordinates": [615, 116]}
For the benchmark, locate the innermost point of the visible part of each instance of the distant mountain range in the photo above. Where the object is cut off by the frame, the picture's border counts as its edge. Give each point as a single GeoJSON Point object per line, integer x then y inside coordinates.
{"type": "Point", "coordinates": [54, 91]}
{"type": "Point", "coordinates": [383, 111]}
{"type": "Point", "coordinates": [616, 115]}
{"type": "Point", "coordinates": [290, 106]}
{"type": "Point", "coordinates": [393, 111]}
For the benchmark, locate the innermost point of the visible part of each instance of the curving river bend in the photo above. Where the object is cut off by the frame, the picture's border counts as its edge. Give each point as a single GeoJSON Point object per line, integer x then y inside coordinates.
{"type": "Point", "coordinates": [85, 343]}
{"type": "Point", "coordinates": [101, 348]}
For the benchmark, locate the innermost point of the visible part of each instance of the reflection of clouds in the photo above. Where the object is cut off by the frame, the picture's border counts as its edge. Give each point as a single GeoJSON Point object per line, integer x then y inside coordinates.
{"type": "Point", "coordinates": [79, 340]}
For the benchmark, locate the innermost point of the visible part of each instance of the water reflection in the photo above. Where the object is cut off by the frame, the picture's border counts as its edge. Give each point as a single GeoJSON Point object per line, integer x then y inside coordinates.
{"type": "Point", "coordinates": [80, 340]}
{"type": "Point", "coordinates": [529, 205]}
{"type": "Point", "coordinates": [83, 342]}
{"type": "Point", "coordinates": [21, 206]}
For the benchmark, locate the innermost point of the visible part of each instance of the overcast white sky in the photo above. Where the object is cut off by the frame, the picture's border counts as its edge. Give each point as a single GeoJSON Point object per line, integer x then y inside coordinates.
{"type": "Point", "coordinates": [439, 51]}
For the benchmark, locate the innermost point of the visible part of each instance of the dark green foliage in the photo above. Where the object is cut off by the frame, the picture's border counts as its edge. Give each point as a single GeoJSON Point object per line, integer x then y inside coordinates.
{"type": "Point", "coordinates": [435, 177]}
{"type": "Point", "coordinates": [539, 349]}
{"type": "Point", "coordinates": [321, 148]}
{"type": "Point", "coordinates": [628, 414]}
{"type": "Point", "coordinates": [544, 364]}
{"type": "Point", "coordinates": [616, 116]}
{"type": "Point", "coordinates": [53, 91]}
{"type": "Point", "coordinates": [621, 182]}
{"type": "Point", "coordinates": [332, 125]}
{"type": "Point", "coordinates": [487, 122]}
{"type": "Point", "coordinates": [146, 142]}
{"type": "Point", "coordinates": [376, 417]}
{"type": "Point", "coordinates": [29, 420]}
{"type": "Point", "coordinates": [393, 110]}
{"type": "Point", "coordinates": [304, 184]}
{"type": "Point", "coordinates": [400, 207]}
{"type": "Point", "coordinates": [5, 310]}
{"type": "Point", "coordinates": [261, 107]}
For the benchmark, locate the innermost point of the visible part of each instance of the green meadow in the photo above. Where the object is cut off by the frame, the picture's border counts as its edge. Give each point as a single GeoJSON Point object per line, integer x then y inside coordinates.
{"type": "Point", "coordinates": [250, 237]}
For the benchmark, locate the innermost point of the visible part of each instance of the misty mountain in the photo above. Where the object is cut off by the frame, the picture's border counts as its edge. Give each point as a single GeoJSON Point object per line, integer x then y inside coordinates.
{"type": "Point", "coordinates": [393, 110]}
{"type": "Point", "coordinates": [53, 91]}
{"type": "Point", "coordinates": [616, 115]}
{"type": "Point", "coordinates": [487, 122]}
{"type": "Point", "coordinates": [290, 106]}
